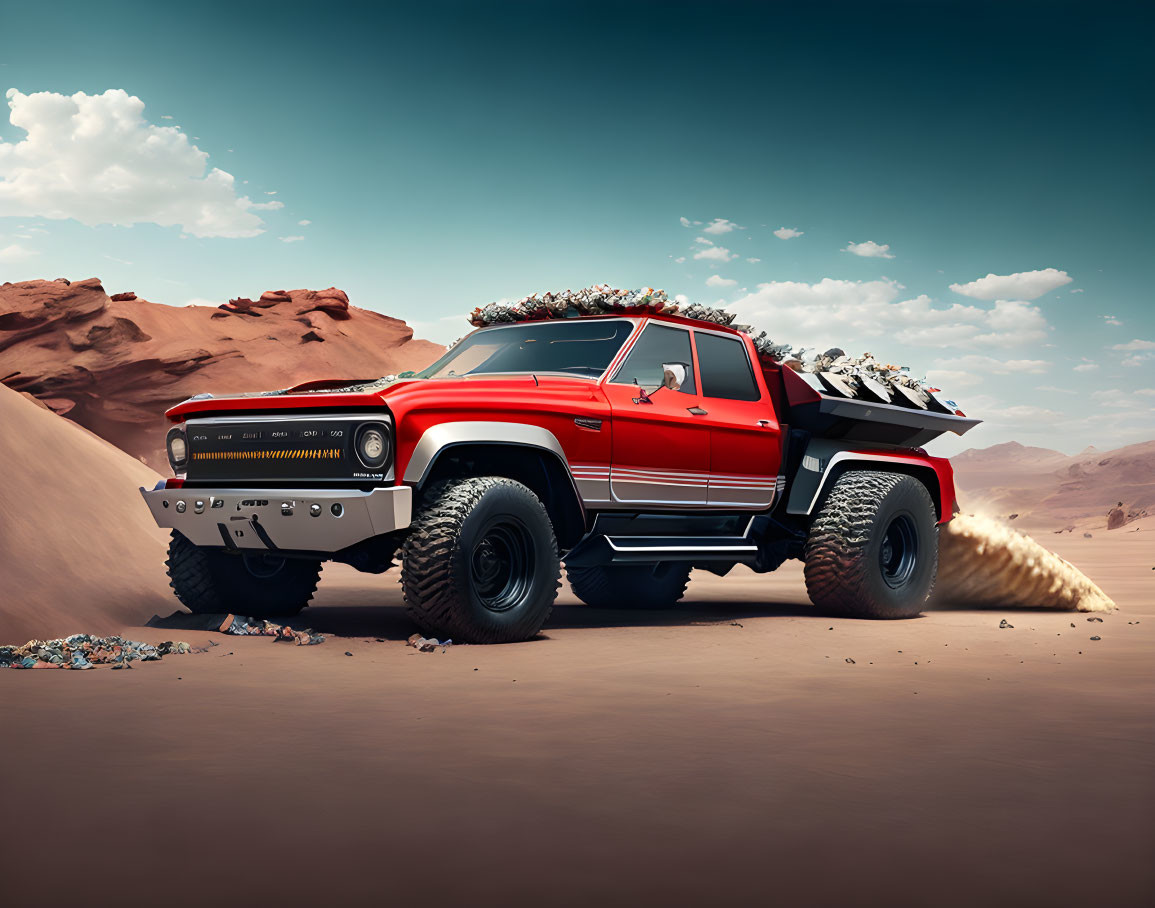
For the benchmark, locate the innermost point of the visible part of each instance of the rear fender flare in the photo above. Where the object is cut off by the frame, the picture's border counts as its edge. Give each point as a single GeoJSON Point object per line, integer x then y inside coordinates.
{"type": "Point", "coordinates": [935, 473]}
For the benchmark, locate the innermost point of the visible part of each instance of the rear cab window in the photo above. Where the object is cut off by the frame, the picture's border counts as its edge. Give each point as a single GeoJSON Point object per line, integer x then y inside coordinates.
{"type": "Point", "coordinates": [725, 369]}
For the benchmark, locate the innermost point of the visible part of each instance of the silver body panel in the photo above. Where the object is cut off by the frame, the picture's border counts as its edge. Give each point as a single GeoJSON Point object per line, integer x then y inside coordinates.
{"type": "Point", "coordinates": [253, 518]}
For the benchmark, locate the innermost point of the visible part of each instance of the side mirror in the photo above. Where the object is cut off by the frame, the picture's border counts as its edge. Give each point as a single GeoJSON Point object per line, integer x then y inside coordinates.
{"type": "Point", "coordinates": [674, 375]}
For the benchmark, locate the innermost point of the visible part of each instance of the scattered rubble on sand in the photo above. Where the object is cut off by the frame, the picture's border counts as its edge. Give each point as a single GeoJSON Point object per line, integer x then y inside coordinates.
{"type": "Point", "coordinates": [427, 644]}
{"type": "Point", "coordinates": [239, 626]}
{"type": "Point", "coordinates": [83, 651]}
{"type": "Point", "coordinates": [984, 563]}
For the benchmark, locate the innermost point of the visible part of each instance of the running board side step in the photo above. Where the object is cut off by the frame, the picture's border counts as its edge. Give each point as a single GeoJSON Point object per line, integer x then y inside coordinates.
{"type": "Point", "coordinates": [648, 549]}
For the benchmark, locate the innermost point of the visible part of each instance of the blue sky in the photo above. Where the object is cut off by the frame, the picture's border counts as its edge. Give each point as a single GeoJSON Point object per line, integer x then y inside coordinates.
{"type": "Point", "coordinates": [449, 154]}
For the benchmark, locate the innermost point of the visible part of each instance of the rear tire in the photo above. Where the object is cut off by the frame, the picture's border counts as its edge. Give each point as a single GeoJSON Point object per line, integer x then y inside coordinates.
{"type": "Point", "coordinates": [480, 563]}
{"type": "Point", "coordinates": [873, 547]}
{"type": "Point", "coordinates": [630, 585]}
{"type": "Point", "coordinates": [255, 585]}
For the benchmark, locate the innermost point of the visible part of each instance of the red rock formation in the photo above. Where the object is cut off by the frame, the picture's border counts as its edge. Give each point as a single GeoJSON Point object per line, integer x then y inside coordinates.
{"type": "Point", "coordinates": [114, 365]}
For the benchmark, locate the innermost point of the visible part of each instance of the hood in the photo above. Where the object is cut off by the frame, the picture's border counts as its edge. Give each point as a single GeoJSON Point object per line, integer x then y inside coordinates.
{"type": "Point", "coordinates": [405, 390]}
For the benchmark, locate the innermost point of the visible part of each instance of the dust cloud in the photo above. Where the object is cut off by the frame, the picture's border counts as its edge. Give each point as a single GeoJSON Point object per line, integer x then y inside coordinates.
{"type": "Point", "coordinates": [984, 563]}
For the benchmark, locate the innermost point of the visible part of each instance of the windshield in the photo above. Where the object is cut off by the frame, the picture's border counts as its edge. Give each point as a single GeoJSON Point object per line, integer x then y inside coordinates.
{"type": "Point", "coordinates": [578, 347]}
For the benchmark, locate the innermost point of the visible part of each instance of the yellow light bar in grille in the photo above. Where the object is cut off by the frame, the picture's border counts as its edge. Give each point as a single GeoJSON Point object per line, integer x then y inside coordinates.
{"type": "Point", "coordinates": [296, 454]}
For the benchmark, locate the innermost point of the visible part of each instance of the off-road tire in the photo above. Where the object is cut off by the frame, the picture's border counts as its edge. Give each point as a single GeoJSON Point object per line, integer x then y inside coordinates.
{"type": "Point", "coordinates": [650, 586]}
{"type": "Point", "coordinates": [846, 568]}
{"type": "Point", "coordinates": [444, 594]}
{"type": "Point", "coordinates": [212, 581]}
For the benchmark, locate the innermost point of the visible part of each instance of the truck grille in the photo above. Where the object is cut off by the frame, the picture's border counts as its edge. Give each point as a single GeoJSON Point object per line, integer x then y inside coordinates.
{"type": "Point", "coordinates": [279, 449]}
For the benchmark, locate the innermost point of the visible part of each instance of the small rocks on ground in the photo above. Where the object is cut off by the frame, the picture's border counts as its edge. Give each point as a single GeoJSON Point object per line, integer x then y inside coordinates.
{"type": "Point", "coordinates": [1096, 638]}
{"type": "Point", "coordinates": [1094, 620]}
{"type": "Point", "coordinates": [82, 652]}
{"type": "Point", "coordinates": [427, 644]}
{"type": "Point", "coordinates": [1006, 623]}
{"type": "Point", "coordinates": [239, 626]}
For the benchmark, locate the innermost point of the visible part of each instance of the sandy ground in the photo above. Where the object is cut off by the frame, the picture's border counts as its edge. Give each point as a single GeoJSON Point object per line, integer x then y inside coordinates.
{"type": "Point", "coordinates": [724, 752]}
{"type": "Point", "coordinates": [78, 548]}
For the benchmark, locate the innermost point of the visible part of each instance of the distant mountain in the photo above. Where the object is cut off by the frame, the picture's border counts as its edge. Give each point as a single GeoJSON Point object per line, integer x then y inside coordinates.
{"type": "Point", "coordinates": [1009, 457]}
{"type": "Point", "coordinates": [1054, 490]}
{"type": "Point", "coordinates": [115, 364]}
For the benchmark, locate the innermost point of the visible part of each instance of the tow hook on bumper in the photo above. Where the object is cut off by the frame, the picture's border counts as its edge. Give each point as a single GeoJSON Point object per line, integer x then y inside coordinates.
{"type": "Point", "coordinates": [306, 520]}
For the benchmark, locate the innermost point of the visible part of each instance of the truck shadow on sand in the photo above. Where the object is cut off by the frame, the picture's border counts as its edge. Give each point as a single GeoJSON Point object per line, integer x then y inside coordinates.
{"type": "Point", "coordinates": [390, 622]}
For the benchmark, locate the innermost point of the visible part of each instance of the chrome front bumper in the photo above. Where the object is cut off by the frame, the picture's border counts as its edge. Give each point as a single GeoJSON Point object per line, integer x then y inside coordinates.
{"type": "Point", "coordinates": [307, 520]}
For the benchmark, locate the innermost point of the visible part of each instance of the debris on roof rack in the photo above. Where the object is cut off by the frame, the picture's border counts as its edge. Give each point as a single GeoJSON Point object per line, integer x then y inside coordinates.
{"type": "Point", "coordinates": [834, 373]}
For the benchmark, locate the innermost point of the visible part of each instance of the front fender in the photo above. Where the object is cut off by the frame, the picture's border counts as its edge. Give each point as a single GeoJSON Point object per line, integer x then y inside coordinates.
{"type": "Point", "coordinates": [444, 435]}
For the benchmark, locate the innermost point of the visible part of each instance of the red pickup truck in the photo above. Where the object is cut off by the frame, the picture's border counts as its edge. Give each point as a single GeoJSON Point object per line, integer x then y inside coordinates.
{"type": "Point", "coordinates": [632, 448]}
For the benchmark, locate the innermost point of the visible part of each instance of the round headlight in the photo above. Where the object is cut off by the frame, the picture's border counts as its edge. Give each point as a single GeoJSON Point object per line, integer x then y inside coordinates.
{"type": "Point", "coordinates": [373, 447]}
{"type": "Point", "coordinates": [177, 449]}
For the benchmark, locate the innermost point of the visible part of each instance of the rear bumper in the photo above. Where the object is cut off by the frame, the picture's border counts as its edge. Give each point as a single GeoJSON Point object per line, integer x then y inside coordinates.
{"type": "Point", "coordinates": [304, 520]}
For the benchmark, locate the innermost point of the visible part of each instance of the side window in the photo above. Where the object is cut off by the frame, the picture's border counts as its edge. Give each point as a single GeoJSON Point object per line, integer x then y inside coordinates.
{"type": "Point", "coordinates": [658, 345]}
{"type": "Point", "coordinates": [725, 367]}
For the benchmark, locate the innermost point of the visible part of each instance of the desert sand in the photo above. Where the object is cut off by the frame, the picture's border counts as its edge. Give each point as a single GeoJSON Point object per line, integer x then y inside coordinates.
{"type": "Point", "coordinates": [77, 549]}
{"type": "Point", "coordinates": [722, 752]}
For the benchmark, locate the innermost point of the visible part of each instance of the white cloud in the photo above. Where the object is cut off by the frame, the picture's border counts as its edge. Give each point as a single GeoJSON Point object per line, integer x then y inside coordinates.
{"type": "Point", "coordinates": [680, 259]}
{"type": "Point", "coordinates": [1054, 390]}
{"type": "Point", "coordinates": [787, 233]}
{"type": "Point", "coordinates": [715, 254]}
{"type": "Point", "coordinates": [1122, 400]}
{"type": "Point", "coordinates": [305, 223]}
{"type": "Point", "coordinates": [166, 116]}
{"type": "Point", "coordinates": [953, 378]}
{"type": "Point", "coordinates": [1086, 367]}
{"type": "Point", "coordinates": [701, 240]}
{"type": "Point", "coordinates": [1110, 319]}
{"type": "Point", "coordinates": [721, 225]}
{"type": "Point", "coordinates": [268, 206]}
{"type": "Point", "coordinates": [685, 222]}
{"type": "Point", "coordinates": [1024, 285]}
{"type": "Point", "coordinates": [870, 250]}
{"type": "Point", "coordinates": [840, 312]}
{"type": "Point", "coordinates": [1145, 392]}
{"type": "Point", "coordinates": [1021, 415]}
{"type": "Point", "coordinates": [290, 239]}
{"type": "Point", "coordinates": [271, 192]}
{"type": "Point", "coordinates": [1078, 290]}
{"type": "Point", "coordinates": [753, 261]}
{"type": "Point", "coordinates": [95, 159]}
{"type": "Point", "coordinates": [1135, 345]}
{"type": "Point", "coordinates": [715, 280]}
{"type": "Point", "coordinates": [10, 255]}
{"type": "Point", "coordinates": [989, 364]}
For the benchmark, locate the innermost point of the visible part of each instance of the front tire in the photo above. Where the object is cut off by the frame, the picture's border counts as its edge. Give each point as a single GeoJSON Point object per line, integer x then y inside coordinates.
{"type": "Point", "coordinates": [255, 585]}
{"type": "Point", "coordinates": [480, 562]}
{"type": "Point", "coordinates": [651, 586]}
{"type": "Point", "coordinates": [873, 547]}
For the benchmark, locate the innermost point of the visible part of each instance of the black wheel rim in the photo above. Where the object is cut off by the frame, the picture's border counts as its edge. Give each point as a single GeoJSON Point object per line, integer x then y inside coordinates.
{"type": "Point", "coordinates": [263, 566]}
{"type": "Point", "coordinates": [502, 565]}
{"type": "Point", "coordinates": [898, 555]}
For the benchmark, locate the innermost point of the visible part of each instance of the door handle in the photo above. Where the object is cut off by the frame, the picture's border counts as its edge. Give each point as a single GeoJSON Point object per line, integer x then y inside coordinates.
{"type": "Point", "coordinates": [697, 411]}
